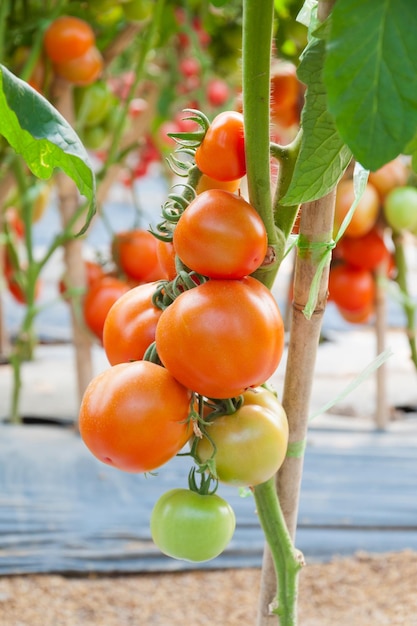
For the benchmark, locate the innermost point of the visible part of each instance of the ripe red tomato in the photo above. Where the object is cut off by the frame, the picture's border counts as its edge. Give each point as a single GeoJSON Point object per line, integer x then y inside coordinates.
{"type": "Point", "coordinates": [100, 296]}
{"type": "Point", "coordinates": [135, 253]}
{"type": "Point", "coordinates": [191, 526]}
{"type": "Point", "coordinates": [68, 38]}
{"type": "Point", "coordinates": [350, 288]}
{"type": "Point", "coordinates": [83, 70]}
{"type": "Point", "coordinates": [366, 212]}
{"type": "Point", "coordinates": [221, 337]}
{"type": "Point", "coordinates": [129, 328]}
{"type": "Point", "coordinates": [133, 416]}
{"type": "Point", "coordinates": [361, 316]}
{"type": "Point", "coordinates": [366, 252]}
{"type": "Point", "coordinates": [251, 444]}
{"type": "Point", "coordinates": [220, 235]}
{"type": "Point", "coordinates": [221, 154]}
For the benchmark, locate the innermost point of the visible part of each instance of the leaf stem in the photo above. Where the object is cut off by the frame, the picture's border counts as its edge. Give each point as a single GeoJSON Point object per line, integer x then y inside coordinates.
{"type": "Point", "coordinates": [408, 306]}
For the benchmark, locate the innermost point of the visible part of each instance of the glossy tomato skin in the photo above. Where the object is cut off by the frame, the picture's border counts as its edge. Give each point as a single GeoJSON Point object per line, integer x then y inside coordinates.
{"type": "Point", "coordinates": [83, 70]}
{"type": "Point", "coordinates": [165, 252]}
{"type": "Point", "coordinates": [366, 212]}
{"type": "Point", "coordinates": [135, 253]}
{"type": "Point", "coordinates": [68, 38]}
{"type": "Point", "coordinates": [351, 288]}
{"type": "Point", "coordinates": [129, 327]}
{"type": "Point", "coordinates": [206, 182]}
{"type": "Point", "coordinates": [221, 337]}
{"type": "Point", "coordinates": [220, 235]}
{"type": "Point", "coordinates": [100, 296]}
{"type": "Point", "coordinates": [221, 154]}
{"type": "Point", "coordinates": [251, 444]}
{"type": "Point", "coordinates": [192, 527]}
{"type": "Point", "coordinates": [133, 416]}
{"type": "Point", "coordinates": [389, 176]}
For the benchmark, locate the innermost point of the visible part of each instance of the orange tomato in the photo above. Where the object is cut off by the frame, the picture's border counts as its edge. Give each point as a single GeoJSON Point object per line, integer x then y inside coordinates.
{"type": "Point", "coordinates": [366, 212]}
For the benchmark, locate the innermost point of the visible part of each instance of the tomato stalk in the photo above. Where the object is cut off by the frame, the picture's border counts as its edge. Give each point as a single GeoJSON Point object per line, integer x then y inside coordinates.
{"type": "Point", "coordinates": [256, 61]}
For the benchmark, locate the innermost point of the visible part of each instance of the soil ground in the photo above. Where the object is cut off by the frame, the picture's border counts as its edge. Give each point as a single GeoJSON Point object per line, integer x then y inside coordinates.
{"type": "Point", "coordinates": [364, 590]}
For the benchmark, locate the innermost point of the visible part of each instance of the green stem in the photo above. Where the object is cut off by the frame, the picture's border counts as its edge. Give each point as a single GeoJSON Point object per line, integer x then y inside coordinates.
{"type": "Point", "coordinates": [285, 557]}
{"type": "Point", "coordinates": [408, 306]}
{"type": "Point", "coordinates": [285, 215]}
{"type": "Point", "coordinates": [4, 11]}
{"type": "Point", "coordinates": [256, 61]}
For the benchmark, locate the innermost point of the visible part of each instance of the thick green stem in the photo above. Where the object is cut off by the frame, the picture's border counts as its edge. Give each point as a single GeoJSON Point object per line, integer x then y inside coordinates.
{"type": "Point", "coordinates": [408, 306]}
{"type": "Point", "coordinates": [284, 215]}
{"type": "Point", "coordinates": [256, 61]}
{"type": "Point", "coordinates": [287, 562]}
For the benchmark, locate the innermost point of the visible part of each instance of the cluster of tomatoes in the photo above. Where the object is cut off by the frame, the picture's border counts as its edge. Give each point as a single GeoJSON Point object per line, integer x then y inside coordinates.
{"type": "Point", "coordinates": [191, 354]}
{"type": "Point", "coordinates": [70, 45]}
{"type": "Point", "coordinates": [388, 205]}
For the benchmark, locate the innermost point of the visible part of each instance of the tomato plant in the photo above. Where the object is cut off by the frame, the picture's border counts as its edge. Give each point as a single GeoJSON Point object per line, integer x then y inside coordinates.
{"type": "Point", "coordinates": [68, 38]}
{"type": "Point", "coordinates": [248, 446]}
{"type": "Point", "coordinates": [233, 329]}
{"type": "Point", "coordinates": [221, 154]}
{"type": "Point", "coordinates": [99, 298]}
{"type": "Point", "coordinates": [220, 235]}
{"type": "Point", "coordinates": [129, 327]}
{"type": "Point", "coordinates": [391, 175]}
{"type": "Point", "coordinates": [191, 526]}
{"type": "Point", "coordinates": [133, 416]}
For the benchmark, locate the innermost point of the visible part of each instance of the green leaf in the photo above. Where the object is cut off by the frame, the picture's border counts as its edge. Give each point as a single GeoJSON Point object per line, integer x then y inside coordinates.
{"type": "Point", "coordinates": [370, 71]}
{"type": "Point", "coordinates": [42, 136]}
{"type": "Point", "coordinates": [411, 149]}
{"type": "Point", "coordinates": [323, 155]}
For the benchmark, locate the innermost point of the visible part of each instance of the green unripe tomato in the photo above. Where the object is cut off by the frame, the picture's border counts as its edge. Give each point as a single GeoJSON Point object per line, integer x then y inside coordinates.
{"type": "Point", "coordinates": [189, 526]}
{"type": "Point", "coordinates": [400, 208]}
{"type": "Point", "coordinates": [137, 10]}
{"type": "Point", "coordinates": [93, 103]}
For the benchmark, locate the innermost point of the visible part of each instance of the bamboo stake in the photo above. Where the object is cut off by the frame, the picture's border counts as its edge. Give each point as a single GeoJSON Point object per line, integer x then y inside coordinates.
{"type": "Point", "coordinates": [316, 228]}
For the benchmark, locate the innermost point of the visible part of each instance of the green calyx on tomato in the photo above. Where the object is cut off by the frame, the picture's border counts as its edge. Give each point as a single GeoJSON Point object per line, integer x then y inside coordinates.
{"type": "Point", "coordinates": [247, 447]}
{"type": "Point", "coordinates": [192, 527]}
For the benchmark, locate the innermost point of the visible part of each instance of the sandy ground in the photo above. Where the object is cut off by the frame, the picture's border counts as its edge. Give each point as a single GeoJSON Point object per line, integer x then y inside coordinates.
{"type": "Point", "coordinates": [365, 590]}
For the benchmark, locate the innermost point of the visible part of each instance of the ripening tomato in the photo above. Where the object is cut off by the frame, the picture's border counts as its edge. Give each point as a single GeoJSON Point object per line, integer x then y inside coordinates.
{"type": "Point", "coordinates": [366, 212]}
{"type": "Point", "coordinates": [366, 252]}
{"type": "Point", "coordinates": [133, 416]}
{"type": "Point", "coordinates": [285, 94]}
{"type": "Point", "coordinates": [351, 288]}
{"type": "Point", "coordinates": [400, 208]}
{"type": "Point", "coordinates": [220, 235]}
{"type": "Point", "coordinates": [221, 337]}
{"type": "Point", "coordinates": [93, 271]}
{"type": "Point", "coordinates": [100, 296]}
{"type": "Point", "coordinates": [68, 38]}
{"type": "Point", "coordinates": [135, 253]}
{"type": "Point", "coordinates": [391, 175]}
{"type": "Point", "coordinates": [250, 444]}
{"type": "Point", "coordinates": [206, 182]}
{"type": "Point", "coordinates": [218, 92]}
{"type": "Point", "coordinates": [83, 70]}
{"type": "Point", "coordinates": [190, 526]}
{"type": "Point", "coordinates": [129, 328]}
{"type": "Point", "coordinates": [17, 291]}
{"type": "Point", "coordinates": [221, 154]}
